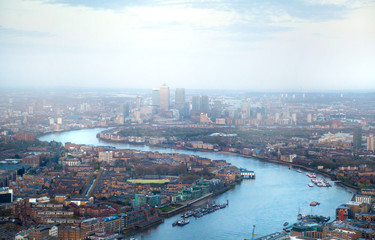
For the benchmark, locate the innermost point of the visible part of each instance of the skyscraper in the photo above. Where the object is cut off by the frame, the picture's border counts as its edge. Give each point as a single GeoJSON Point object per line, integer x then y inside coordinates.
{"type": "Point", "coordinates": [357, 137]}
{"type": "Point", "coordinates": [196, 103]}
{"type": "Point", "coordinates": [204, 104]}
{"type": "Point", "coordinates": [139, 102]}
{"type": "Point", "coordinates": [180, 102]}
{"type": "Point", "coordinates": [216, 110]}
{"type": "Point", "coordinates": [180, 96]}
{"type": "Point", "coordinates": [126, 109]}
{"type": "Point", "coordinates": [155, 97]}
{"type": "Point", "coordinates": [245, 110]}
{"type": "Point", "coordinates": [164, 97]}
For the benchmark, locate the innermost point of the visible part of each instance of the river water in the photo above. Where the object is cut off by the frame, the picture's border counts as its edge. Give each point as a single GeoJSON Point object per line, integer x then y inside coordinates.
{"type": "Point", "coordinates": [274, 197]}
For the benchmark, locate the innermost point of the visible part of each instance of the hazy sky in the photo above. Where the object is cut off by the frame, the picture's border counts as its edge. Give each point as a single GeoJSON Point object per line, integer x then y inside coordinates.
{"type": "Point", "coordinates": [231, 44]}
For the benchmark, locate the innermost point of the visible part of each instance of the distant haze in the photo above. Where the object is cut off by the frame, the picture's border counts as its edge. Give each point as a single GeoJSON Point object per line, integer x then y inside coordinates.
{"type": "Point", "coordinates": [231, 44]}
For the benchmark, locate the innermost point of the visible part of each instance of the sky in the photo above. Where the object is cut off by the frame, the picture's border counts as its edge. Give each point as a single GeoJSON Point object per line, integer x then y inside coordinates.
{"type": "Point", "coordinates": [253, 45]}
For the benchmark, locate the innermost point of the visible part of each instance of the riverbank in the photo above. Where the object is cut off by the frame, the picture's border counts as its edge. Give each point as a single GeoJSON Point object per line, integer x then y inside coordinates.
{"type": "Point", "coordinates": [349, 187]}
{"type": "Point", "coordinates": [276, 196]}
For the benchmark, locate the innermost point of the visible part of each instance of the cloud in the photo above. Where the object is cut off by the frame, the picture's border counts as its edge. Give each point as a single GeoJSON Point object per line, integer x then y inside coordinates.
{"type": "Point", "coordinates": [196, 44]}
{"type": "Point", "coordinates": [11, 32]}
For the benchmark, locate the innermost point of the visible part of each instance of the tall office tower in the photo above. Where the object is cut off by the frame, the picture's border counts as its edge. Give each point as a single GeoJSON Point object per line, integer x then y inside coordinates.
{"type": "Point", "coordinates": [309, 118]}
{"type": "Point", "coordinates": [371, 143]}
{"type": "Point", "coordinates": [245, 110]}
{"type": "Point", "coordinates": [277, 117]}
{"type": "Point", "coordinates": [216, 110]}
{"type": "Point", "coordinates": [155, 97]}
{"type": "Point", "coordinates": [294, 118]}
{"type": "Point", "coordinates": [125, 108]}
{"type": "Point", "coordinates": [164, 97]}
{"type": "Point", "coordinates": [357, 137]}
{"type": "Point", "coordinates": [204, 104]}
{"type": "Point", "coordinates": [180, 96]}
{"type": "Point", "coordinates": [180, 102]}
{"type": "Point", "coordinates": [196, 103]}
{"type": "Point", "coordinates": [139, 102]}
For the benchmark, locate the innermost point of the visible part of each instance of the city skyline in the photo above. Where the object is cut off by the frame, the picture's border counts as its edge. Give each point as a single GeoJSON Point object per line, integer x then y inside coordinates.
{"type": "Point", "coordinates": [252, 46]}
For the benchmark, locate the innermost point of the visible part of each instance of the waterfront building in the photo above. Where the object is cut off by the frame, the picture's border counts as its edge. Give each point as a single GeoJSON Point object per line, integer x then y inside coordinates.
{"type": "Point", "coordinates": [363, 199]}
{"type": "Point", "coordinates": [112, 224]}
{"type": "Point", "coordinates": [247, 174]}
{"type": "Point", "coordinates": [310, 230]}
{"type": "Point", "coordinates": [71, 233]}
{"type": "Point", "coordinates": [343, 212]}
{"type": "Point", "coordinates": [348, 230]}
{"type": "Point", "coordinates": [164, 98]}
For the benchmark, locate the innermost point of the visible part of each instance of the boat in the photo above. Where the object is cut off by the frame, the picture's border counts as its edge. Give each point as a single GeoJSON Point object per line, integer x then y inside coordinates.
{"type": "Point", "coordinates": [224, 205]}
{"type": "Point", "coordinates": [197, 214]}
{"type": "Point", "coordinates": [312, 175]}
{"type": "Point", "coordinates": [314, 203]}
{"type": "Point", "coordinates": [286, 224]}
{"type": "Point", "coordinates": [299, 216]}
{"type": "Point", "coordinates": [299, 171]}
{"type": "Point", "coordinates": [310, 185]}
{"type": "Point", "coordinates": [187, 214]}
{"type": "Point", "coordinates": [182, 222]}
{"type": "Point", "coordinates": [174, 224]}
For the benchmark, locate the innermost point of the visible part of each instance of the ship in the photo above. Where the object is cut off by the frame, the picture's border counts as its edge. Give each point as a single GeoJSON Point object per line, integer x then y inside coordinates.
{"type": "Point", "coordinates": [310, 185]}
{"type": "Point", "coordinates": [182, 222]}
{"type": "Point", "coordinates": [314, 203]}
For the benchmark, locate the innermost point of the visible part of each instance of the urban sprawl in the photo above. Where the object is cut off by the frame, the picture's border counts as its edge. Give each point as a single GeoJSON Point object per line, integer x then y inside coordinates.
{"type": "Point", "coordinates": [53, 190]}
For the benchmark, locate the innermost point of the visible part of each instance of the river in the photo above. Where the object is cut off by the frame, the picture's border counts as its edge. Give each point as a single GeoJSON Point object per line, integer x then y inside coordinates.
{"type": "Point", "coordinates": [274, 197]}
